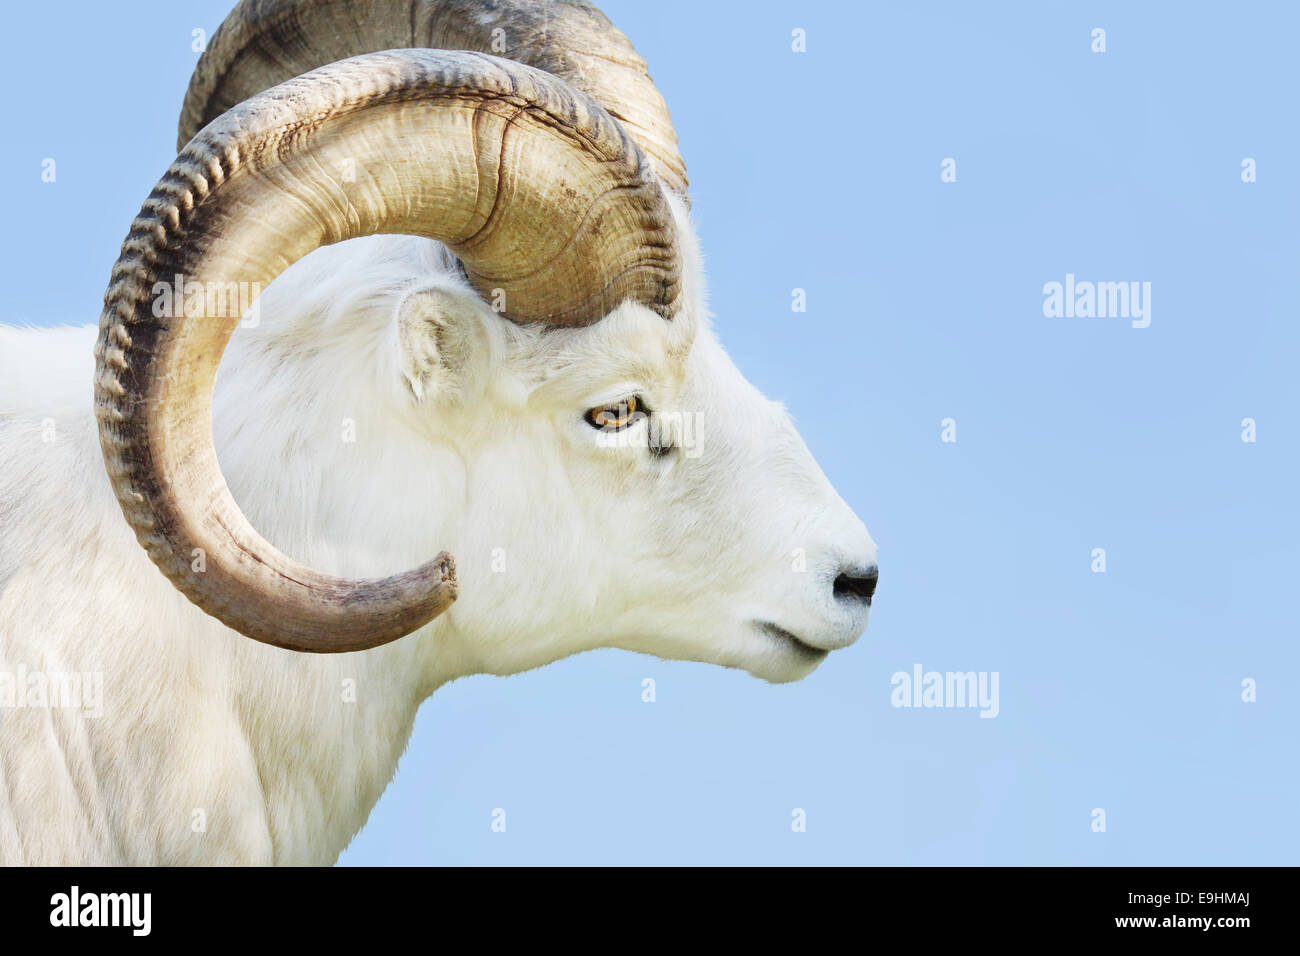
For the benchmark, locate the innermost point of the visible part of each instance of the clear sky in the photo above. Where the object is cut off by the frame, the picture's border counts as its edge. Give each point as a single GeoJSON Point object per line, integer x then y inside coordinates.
{"type": "Point", "coordinates": [822, 171]}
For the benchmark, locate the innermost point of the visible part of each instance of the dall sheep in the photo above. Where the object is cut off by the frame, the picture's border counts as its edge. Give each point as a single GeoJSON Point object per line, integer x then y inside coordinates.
{"type": "Point", "coordinates": [511, 358]}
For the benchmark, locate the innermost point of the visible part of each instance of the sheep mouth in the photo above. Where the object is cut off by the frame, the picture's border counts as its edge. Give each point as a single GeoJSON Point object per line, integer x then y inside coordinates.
{"type": "Point", "coordinates": [782, 636]}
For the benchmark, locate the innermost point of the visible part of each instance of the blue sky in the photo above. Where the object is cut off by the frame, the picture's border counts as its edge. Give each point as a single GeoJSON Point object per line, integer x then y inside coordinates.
{"type": "Point", "coordinates": [821, 170]}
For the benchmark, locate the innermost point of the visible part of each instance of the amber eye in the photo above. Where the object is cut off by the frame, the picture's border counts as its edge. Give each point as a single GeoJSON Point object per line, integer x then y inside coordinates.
{"type": "Point", "coordinates": [614, 417]}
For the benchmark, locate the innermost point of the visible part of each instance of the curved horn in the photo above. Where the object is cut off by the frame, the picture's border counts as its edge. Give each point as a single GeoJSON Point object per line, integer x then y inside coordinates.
{"type": "Point", "coordinates": [265, 42]}
{"type": "Point", "coordinates": [536, 188]}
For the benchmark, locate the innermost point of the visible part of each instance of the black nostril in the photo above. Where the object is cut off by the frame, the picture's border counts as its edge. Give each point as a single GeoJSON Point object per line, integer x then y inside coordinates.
{"type": "Point", "coordinates": [857, 585]}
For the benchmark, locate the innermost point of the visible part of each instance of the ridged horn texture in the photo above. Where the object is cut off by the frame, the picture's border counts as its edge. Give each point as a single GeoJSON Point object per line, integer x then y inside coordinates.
{"type": "Point", "coordinates": [265, 42]}
{"type": "Point", "coordinates": [535, 187]}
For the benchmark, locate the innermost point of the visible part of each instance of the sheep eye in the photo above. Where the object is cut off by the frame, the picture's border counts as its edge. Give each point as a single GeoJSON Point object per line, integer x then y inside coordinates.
{"type": "Point", "coordinates": [615, 417]}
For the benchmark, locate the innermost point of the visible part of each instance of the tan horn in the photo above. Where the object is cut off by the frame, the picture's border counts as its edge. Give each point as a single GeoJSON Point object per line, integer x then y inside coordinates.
{"type": "Point", "coordinates": [541, 194]}
{"type": "Point", "coordinates": [265, 42]}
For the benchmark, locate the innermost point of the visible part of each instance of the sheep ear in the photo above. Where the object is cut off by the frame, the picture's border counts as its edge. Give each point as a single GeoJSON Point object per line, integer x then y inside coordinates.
{"type": "Point", "coordinates": [438, 332]}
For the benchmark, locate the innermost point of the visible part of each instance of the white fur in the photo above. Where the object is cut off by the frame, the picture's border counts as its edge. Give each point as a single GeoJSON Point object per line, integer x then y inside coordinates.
{"type": "Point", "coordinates": [562, 545]}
